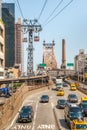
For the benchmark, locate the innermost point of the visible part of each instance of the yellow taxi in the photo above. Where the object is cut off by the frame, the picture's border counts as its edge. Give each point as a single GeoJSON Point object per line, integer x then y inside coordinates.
{"type": "Point", "coordinates": [60, 92]}
{"type": "Point", "coordinates": [68, 78]}
{"type": "Point", "coordinates": [79, 124]}
{"type": "Point", "coordinates": [77, 84]}
{"type": "Point", "coordinates": [84, 99]}
{"type": "Point", "coordinates": [73, 87]}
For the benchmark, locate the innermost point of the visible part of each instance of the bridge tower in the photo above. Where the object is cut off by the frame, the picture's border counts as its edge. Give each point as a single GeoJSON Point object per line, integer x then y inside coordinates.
{"type": "Point", "coordinates": [49, 56]}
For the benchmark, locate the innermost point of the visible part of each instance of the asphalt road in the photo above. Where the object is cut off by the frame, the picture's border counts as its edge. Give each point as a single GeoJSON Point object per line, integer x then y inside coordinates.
{"type": "Point", "coordinates": [44, 118]}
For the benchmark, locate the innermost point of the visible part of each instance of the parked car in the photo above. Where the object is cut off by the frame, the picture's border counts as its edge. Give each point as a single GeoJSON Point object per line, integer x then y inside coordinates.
{"type": "Point", "coordinates": [44, 98]}
{"type": "Point", "coordinates": [61, 103]}
{"type": "Point", "coordinates": [26, 114]}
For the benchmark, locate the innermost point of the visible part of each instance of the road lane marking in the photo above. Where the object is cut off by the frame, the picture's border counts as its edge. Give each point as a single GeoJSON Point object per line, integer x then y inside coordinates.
{"type": "Point", "coordinates": [52, 105]}
{"type": "Point", "coordinates": [35, 116]}
{"type": "Point", "coordinates": [13, 121]}
{"type": "Point", "coordinates": [46, 126]}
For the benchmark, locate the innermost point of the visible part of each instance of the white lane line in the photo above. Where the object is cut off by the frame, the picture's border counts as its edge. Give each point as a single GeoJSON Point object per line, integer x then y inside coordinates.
{"type": "Point", "coordinates": [52, 105]}
{"type": "Point", "coordinates": [13, 121]}
{"type": "Point", "coordinates": [30, 96]}
{"type": "Point", "coordinates": [35, 116]}
{"type": "Point", "coordinates": [8, 128]}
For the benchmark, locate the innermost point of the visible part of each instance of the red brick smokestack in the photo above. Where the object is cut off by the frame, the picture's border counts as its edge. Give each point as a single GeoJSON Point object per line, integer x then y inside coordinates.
{"type": "Point", "coordinates": [63, 54]}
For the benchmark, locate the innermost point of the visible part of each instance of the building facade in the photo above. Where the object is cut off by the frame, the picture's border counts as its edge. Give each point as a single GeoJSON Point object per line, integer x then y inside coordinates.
{"type": "Point", "coordinates": [0, 8]}
{"type": "Point", "coordinates": [2, 49]}
{"type": "Point", "coordinates": [81, 62]}
{"type": "Point", "coordinates": [8, 16]}
{"type": "Point", "coordinates": [18, 43]}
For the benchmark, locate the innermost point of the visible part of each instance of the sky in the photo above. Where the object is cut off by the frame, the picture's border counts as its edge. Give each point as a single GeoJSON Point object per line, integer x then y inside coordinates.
{"type": "Point", "coordinates": [70, 24]}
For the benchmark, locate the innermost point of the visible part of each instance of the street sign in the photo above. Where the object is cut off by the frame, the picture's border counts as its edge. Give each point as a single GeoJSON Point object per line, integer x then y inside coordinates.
{"type": "Point", "coordinates": [70, 64]}
{"type": "Point", "coordinates": [42, 65]}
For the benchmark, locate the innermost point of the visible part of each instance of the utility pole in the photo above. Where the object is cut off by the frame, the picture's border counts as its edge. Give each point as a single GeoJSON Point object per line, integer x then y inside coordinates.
{"type": "Point", "coordinates": [31, 26]}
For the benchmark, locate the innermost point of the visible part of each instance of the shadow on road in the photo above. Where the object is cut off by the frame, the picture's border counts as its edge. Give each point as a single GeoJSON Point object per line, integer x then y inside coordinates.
{"type": "Point", "coordinates": [63, 124]}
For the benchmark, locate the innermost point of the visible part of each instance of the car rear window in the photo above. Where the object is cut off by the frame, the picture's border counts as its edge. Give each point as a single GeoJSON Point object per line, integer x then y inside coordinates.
{"type": "Point", "coordinates": [75, 109]}
{"type": "Point", "coordinates": [73, 96]}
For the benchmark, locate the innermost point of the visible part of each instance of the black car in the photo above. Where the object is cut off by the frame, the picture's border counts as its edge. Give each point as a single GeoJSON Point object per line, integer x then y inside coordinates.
{"type": "Point", "coordinates": [83, 106]}
{"type": "Point", "coordinates": [65, 85]}
{"type": "Point", "coordinates": [71, 112]}
{"type": "Point", "coordinates": [72, 98]}
{"type": "Point", "coordinates": [26, 114]}
{"type": "Point", "coordinates": [44, 98]}
{"type": "Point", "coordinates": [61, 103]}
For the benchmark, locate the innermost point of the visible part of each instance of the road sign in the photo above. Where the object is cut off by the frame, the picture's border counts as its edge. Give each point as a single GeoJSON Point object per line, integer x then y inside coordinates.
{"type": "Point", "coordinates": [42, 65]}
{"type": "Point", "coordinates": [70, 64]}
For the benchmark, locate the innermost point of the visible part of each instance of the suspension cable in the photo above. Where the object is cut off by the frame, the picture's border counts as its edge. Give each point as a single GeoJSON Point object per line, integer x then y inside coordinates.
{"type": "Point", "coordinates": [59, 12]}
{"type": "Point", "coordinates": [53, 11]}
{"type": "Point", "coordinates": [42, 9]}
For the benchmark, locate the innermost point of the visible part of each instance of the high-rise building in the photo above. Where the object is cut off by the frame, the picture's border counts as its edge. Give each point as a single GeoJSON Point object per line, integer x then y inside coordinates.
{"type": "Point", "coordinates": [0, 8]}
{"type": "Point", "coordinates": [8, 16]}
{"type": "Point", "coordinates": [18, 43]}
{"type": "Point", "coordinates": [2, 45]}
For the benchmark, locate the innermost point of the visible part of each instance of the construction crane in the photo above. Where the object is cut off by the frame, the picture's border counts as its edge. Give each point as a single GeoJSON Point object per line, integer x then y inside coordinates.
{"type": "Point", "coordinates": [31, 26]}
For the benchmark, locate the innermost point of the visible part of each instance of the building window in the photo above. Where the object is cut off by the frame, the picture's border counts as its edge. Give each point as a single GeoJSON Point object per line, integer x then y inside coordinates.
{"type": "Point", "coordinates": [1, 73]}
{"type": "Point", "coordinates": [1, 32]}
{"type": "Point", "coordinates": [1, 62]}
{"type": "Point", "coordinates": [1, 47]}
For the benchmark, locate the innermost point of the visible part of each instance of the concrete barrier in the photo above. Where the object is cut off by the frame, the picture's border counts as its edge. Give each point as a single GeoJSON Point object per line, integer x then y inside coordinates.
{"type": "Point", "coordinates": [82, 90]}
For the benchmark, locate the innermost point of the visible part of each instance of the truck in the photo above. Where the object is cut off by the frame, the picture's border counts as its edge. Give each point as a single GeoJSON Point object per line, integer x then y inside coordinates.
{"type": "Point", "coordinates": [59, 83]}
{"type": "Point", "coordinates": [5, 91]}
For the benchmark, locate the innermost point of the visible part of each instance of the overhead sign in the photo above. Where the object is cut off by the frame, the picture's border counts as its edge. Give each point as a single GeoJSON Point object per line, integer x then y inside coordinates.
{"type": "Point", "coordinates": [42, 65]}
{"type": "Point", "coordinates": [70, 64]}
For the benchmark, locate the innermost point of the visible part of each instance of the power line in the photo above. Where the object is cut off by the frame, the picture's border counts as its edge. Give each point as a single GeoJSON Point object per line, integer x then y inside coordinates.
{"type": "Point", "coordinates": [16, 4]}
{"type": "Point", "coordinates": [42, 9]}
{"type": "Point", "coordinates": [20, 9]}
{"type": "Point", "coordinates": [53, 11]}
{"type": "Point", "coordinates": [59, 12]}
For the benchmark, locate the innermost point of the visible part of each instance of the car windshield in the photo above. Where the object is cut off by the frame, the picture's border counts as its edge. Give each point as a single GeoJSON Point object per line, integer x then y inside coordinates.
{"type": "Point", "coordinates": [65, 84]}
{"type": "Point", "coordinates": [44, 96]}
{"type": "Point", "coordinates": [62, 101]}
{"type": "Point", "coordinates": [84, 105]}
{"type": "Point", "coordinates": [73, 96]}
{"type": "Point", "coordinates": [81, 126]}
{"type": "Point", "coordinates": [84, 101]}
{"type": "Point", "coordinates": [59, 85]}
{"type": "Point", "coordinates": [60, 90]}
{"type": "Point", "coordinates": [75, 115]}
{"type": "Point", "coordinates": [75, 109]}
{"type": "Point", "coordinates": [26, 110]}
